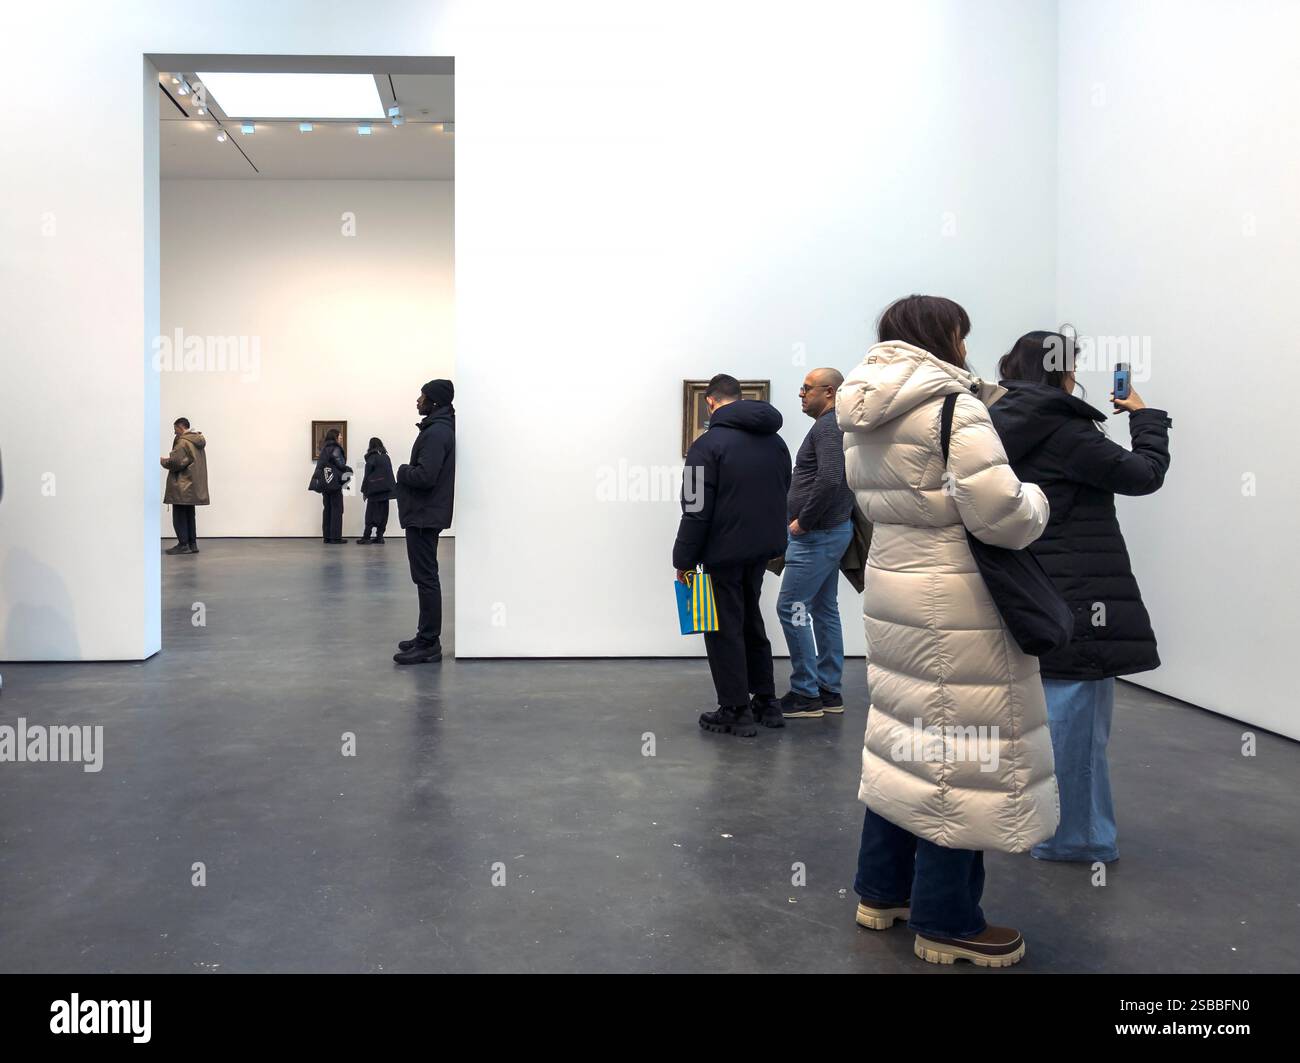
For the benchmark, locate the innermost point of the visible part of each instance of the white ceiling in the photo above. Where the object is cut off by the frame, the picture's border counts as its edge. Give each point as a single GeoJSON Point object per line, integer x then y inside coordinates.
{"type": "Point", "coordinates": [417, 149]}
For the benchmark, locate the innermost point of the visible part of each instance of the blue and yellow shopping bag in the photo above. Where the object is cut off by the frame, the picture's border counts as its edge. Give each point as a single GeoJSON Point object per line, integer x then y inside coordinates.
{"type": "Point", "coordinates": [696, 609]}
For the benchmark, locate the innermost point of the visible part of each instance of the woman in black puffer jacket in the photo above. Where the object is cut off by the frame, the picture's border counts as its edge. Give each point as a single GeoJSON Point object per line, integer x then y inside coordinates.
{"type": "Point", "coordinates": [378, 488]}
{"type": "Point", "coordinates": [1056, 440]}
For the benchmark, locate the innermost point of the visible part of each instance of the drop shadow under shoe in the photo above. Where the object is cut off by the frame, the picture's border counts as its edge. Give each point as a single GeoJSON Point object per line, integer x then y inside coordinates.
{"type": "Point", "coordinates": [796, 706]}
{"type": "Point", "coordinates": [881, 915]}
{"type": "Point", "coordinates": [767, 711]}
{"type": "Point", "coordinates": [730, 720]}
{"type": "Point", "coordinates": [832, 700]}
{"type": "Point", "coordinates": [420, 653]}
{"type": "Point", "coordinates": [994, 946]}
{"type": "Point", "coordinates": [179, 548]}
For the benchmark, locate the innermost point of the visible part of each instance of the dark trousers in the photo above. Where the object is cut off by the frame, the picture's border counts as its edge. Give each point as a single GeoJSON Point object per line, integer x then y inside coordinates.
{"type": "Point", "coordinates": [740, 657]}
{"type": "Point", "coordinates": [183, 523]}
{"type": "Point", "coordinates": [945, 885]}
{"type": "Point", "coordinates": [422, 553]}
{"type": "Point", "coordinates": [331, 520]}
{"type": "Point", "coordinates": [376, 517]}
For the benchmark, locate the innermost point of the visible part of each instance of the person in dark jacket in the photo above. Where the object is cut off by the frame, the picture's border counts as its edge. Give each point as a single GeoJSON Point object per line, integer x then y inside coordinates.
{"type": "Point", "coordinates": [331, 468]}
{"type": "Point", "coordinates": [378, 488]}
{"type": "Point", "coordinates": [820, 511]}
{"type": "Point", "coordinates": [1056, 440]}
{"type": "Point", "coordinates": [733, 522]}
{"type": "Point", "coordinates": [425, 491]}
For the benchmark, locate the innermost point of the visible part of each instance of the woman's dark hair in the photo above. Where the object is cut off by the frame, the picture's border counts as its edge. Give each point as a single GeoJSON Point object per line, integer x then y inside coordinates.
{"type": "Point", "coordinates": [181, 420]}
{"type": "Point", "coordinates": [1039, 357]}
{"type": "Point", "coordinates": [934, 324]}
{"type": "Point", "coordinates": [332, 436]}
{"type": "Point", "coordinates": [377, 444]}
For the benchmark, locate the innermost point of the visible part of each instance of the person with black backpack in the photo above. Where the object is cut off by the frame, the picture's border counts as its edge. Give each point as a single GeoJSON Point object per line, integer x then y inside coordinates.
{"type": "Point", "coordinates": [1056, 440]}
{"type": "Point", "coordinates": [378, 488]}
{"type": "Point", "coordinates": [331, 472]}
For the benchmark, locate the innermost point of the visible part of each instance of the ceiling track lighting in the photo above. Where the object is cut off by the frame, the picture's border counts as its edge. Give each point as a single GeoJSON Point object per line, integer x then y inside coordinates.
{"type": "Point", "coordinates": [184, 88]}
{"type": "Point", "coordinates": [395, 111]}
{"type": "Point", "coordinates": [397, 120]}
{"type": "Point", "coordinates": [221, 137]}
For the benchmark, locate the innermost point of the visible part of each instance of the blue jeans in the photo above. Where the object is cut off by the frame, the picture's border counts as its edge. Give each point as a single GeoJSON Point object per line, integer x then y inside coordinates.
{"type": "Point", "coordinates": [945, 885]}
{"type": "Point", "coordinates": [809, 605]}
{"type": "Point", "coordinates": [1079, 714]}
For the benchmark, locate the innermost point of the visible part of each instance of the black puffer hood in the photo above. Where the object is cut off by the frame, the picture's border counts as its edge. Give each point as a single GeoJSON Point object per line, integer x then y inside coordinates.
{"type": "Point", "coordinates": [749, 415]}
{"type": "Point", "coordinates": [1029, 412]}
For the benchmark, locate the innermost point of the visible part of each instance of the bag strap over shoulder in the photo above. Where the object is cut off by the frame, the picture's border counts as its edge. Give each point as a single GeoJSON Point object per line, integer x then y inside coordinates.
{"type": "Point", "coordinates": [945, 423]}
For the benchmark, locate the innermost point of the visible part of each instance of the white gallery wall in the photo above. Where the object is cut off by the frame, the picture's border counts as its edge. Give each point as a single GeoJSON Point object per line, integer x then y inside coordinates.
{"type": "Point", "coordinates": [330, 300]}
{"type": "Point", "coordinates": [1179, 224]}
{"type": "Point", "coordinates": [711, 188]}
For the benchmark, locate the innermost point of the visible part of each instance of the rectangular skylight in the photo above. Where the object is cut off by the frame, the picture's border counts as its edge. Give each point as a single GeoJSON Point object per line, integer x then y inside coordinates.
{"type": "Point", "coordinates": [295, 95]}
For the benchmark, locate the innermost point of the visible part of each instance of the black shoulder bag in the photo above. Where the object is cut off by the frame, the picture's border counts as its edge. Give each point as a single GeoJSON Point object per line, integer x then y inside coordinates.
{"type": "Point", "coordinates": [1034, 611]}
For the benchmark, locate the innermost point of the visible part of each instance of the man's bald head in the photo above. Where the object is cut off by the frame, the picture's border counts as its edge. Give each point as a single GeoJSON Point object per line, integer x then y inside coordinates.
{"type": "Point", "coordinates": [818, 391]}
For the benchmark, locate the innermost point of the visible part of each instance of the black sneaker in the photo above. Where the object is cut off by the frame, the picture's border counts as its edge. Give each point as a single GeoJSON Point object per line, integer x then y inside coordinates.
{"type": "Point", "coordinates": [179, 548]}
{"type": "Point", "coordinates": [796, 706]}
{"type": "Point", "coordinates": [730, 720]}
{"type": "Point", "coordinates": [363, 540]}
{"type": "Point", "coordinates": [420, 653]}
{"type": "Point", "coordinates": [832, 700]}
{"type": "Point", "coordinates": [194, 548]}
{"type": "Point", "coordinates": [767, 711]}
{"type": "Point", "coordinates": [406, 644]}
{"type": "Point", "coordinates": [378, 540]}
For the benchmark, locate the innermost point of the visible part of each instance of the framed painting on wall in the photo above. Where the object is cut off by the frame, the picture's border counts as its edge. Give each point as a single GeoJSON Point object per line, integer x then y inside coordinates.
{"type": "Point", "coordinates": [695, 414]}
{"type": "Point", "coordinates": [318, 430]}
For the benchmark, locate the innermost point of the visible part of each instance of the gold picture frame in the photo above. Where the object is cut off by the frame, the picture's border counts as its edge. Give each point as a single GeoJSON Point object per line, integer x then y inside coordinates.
{"type": "Point", "coordinates": [318, 430]}
{"type": "Point", "coordinates": [695, 415]}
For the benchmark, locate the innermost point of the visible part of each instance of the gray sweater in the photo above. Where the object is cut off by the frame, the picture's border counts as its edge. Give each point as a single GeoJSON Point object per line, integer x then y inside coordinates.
{"type": "Point", "coordinates": [819, 494]}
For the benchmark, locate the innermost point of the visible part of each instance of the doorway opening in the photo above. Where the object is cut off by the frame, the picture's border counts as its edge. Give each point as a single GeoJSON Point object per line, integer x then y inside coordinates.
{"type": "Point", "coordinates": [305, 256]}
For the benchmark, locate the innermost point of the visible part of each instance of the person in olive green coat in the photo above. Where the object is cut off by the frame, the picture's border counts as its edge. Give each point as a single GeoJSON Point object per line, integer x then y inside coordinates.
{"type": "Point", "coordinates": [187, 484]}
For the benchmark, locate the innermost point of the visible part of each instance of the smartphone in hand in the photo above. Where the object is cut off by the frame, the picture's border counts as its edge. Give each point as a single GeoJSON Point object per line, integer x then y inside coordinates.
{"type": "Point", "coordinates": [1121, 384]}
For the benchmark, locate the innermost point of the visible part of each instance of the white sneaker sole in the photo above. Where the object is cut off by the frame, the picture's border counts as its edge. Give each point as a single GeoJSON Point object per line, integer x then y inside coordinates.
{"type": "Point", "coordinates": [881, 918]}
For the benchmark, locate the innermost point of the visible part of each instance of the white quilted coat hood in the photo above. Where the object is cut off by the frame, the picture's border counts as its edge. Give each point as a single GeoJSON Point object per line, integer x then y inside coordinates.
{"type": "Point", "coordinates": [957, 748]}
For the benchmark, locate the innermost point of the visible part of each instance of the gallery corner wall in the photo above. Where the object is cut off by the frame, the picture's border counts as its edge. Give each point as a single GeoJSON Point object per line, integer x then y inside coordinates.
{"type": "Point", "coordinates": [1178, 226]}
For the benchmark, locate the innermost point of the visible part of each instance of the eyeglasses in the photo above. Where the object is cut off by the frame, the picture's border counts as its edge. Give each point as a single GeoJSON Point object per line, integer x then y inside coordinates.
{"type": "Point", "coordinates": [805, 389]}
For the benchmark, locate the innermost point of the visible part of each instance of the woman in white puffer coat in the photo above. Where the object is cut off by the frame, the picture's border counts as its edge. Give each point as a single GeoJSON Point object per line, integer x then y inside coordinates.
{"type": "Point", "coordinates": [958, 755]}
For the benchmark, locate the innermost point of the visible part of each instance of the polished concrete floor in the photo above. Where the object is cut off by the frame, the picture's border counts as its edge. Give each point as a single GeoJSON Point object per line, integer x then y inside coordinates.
{"type": "Point", "coordinates": [225, 750]}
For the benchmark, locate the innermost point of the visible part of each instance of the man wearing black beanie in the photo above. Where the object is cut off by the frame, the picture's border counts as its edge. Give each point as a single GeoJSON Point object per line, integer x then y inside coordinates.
{"type": "Point", "coordinates": [425, 490]}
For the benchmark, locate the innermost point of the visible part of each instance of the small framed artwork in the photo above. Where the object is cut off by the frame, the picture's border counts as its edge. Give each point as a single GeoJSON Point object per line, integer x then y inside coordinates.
{"type": "Point", "coordinates": [695, 414]}
{"type": "Point", "coordinates": [318, 430]}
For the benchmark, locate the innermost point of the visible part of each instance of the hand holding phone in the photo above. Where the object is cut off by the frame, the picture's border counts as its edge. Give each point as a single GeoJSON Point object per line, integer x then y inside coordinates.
{"type": "Point", "coordinates": [1126, 400]}
{"type": "Point", "coordinates": [1123, 381]}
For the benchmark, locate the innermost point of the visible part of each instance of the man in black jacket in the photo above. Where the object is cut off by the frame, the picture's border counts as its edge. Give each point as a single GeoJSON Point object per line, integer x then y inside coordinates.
{"type": "Point", "coordinates": [425, 489]}
{"type": "Point", "coordinates": [733, 522]}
